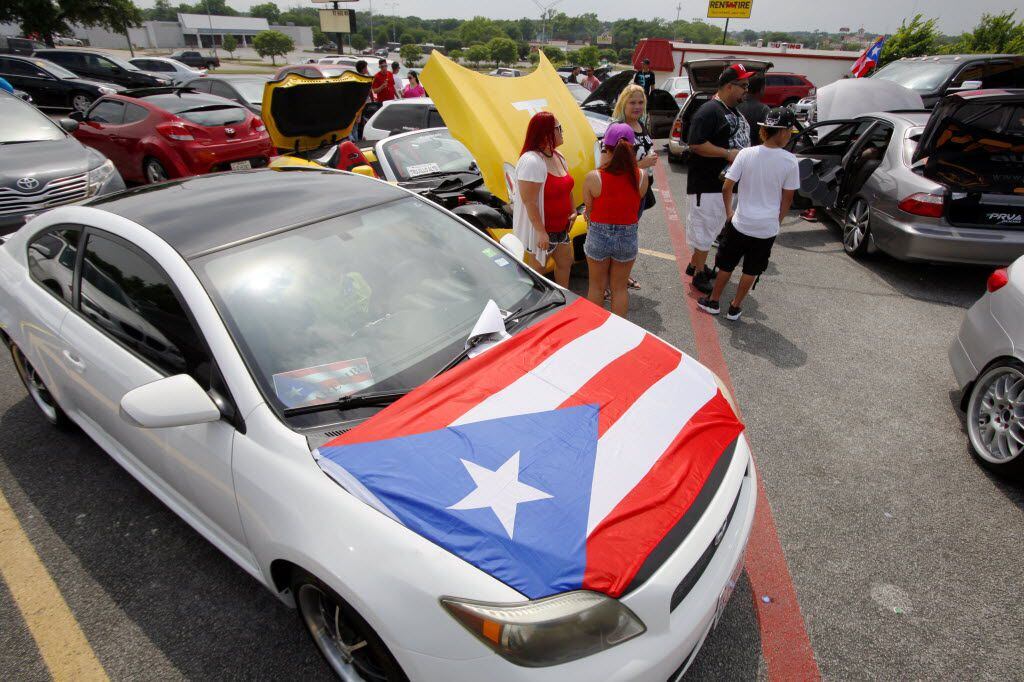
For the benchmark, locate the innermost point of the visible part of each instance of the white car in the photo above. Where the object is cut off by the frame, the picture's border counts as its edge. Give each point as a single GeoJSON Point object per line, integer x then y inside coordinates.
{"type": "Point", "coordinates": [453, 469]}
{"type": "Point", "coordinates": [67, 41]}
{"type": "Point", "coordinates": [988, 361]}
{"type": "Point", "coordinates": [168, 68]}
{"type": "Point", "coordinates": [678, 87]}
{"type": "Point", "coordinates": [401, 116]}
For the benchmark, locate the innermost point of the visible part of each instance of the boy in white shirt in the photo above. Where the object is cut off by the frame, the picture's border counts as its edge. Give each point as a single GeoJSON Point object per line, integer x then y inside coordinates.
{"type": "Point", "coordinates": [770, 177]}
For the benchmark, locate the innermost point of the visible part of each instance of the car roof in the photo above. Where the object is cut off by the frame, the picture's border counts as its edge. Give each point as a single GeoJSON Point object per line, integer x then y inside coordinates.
{"type": "Point", "coordinates": [225, 209]}
{"type": "Point", "coordinates": [960, 57]}
{"type": "Point", "coordinates": [906, 117]}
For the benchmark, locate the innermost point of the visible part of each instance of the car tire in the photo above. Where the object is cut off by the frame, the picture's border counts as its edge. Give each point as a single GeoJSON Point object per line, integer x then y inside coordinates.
{"type": "Point", "coordinates": [81, 101]}
{"type": "Point", "coordinates": [348, 644]}
{"type": "Point", "coordinates": [790, 102]}
{"type": "Point", "coordinates": [857, 228]}
{"type": "Point", "coordinates": [154, 171]}
{"type": "Point", "coordinates": [995, 418]}
{"type": "Point", "coordinates": [38, 391]}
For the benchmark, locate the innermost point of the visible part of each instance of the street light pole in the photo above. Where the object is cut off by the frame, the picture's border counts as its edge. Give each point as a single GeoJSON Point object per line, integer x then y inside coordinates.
{"type": "Point", "coordinates": [209, 19]}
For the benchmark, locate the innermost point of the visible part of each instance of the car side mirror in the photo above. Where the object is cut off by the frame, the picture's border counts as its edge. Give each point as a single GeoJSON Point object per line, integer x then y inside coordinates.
{"type": "Point", "coordinates": [965, 86]}
{"type": "Point", "coordinates": [514, 244]}
{"type": "Point", "coordinates": [174, 401]}
{"type": "Point", "coordinates": [76, 116]}
{"type": "Point", "coordinates": [69, 124]}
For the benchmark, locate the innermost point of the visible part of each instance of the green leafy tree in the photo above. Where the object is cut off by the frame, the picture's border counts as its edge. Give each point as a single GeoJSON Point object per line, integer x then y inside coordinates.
{"type": "Point", "coordinates": [301, 16]}
{"type": "Point", "coordinates": [455, 55]}
{"type": "Point", "coordinates": [477, 54]}
{"type": "Point", "coordinates": [49, 17]}
{"type": "Point", "coordinates": [534, 57]}
{"type": "Point", "coordinates": [407, 39]}
{"type": "Point", "coordinates": [994, 34]}
{"type": "Point", "coordinates": [608, 55]}
{"type": "Point", "coordinates": [626, 55]}
{"type": "Point", "coordinates": [272, 44]}
{"type": "Point", "coordinates": [587, 56]}
{"type": "Point", "coordinates": [162, 10]}
{"type": "Point", "coordinates": [381, 38]}
{"type": "Point", "coordinates": [451, 44]}
{"type": "Point", "coordinates": [218, 7]}
{"type": "Point", "coordinates": [478, 30]}
{"type": "Point", "coordinates": [230, 44]}
{"type": "Point", "coordinates": [266, 10]}
{"type": "Point", "coordinates": [524, 49]}
{"type": "Point", "coordinates": [359, 42]}
{"type": "Point", "coordinates": [319, 37]}
{"type": "Point", "coordinates": [503, 51]}
{"type": "Point", "coordinates": [410, 54]}
{"type": "Point", "coordinates": [555, 55]}
{"type": "Point", "coordinates": [917, 38]}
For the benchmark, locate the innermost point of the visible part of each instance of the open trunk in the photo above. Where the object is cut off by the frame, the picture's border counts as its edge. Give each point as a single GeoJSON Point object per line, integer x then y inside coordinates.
{"type": "Point", "coordinates": [304, 114]}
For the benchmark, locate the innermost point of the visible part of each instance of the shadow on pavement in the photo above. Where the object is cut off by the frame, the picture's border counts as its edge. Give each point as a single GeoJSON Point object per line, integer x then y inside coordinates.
{"type": "Point", "coordinates": [735, 645]}
{"type": "Point", "coordinates": [750, 335]}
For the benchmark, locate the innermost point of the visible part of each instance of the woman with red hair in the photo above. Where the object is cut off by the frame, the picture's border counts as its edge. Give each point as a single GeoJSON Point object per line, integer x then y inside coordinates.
{"type": "Point", "coordinates": [542, 211]}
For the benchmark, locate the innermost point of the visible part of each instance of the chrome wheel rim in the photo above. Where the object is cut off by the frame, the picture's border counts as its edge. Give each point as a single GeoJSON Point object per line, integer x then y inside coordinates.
{"type": "Point", "coordinates": [344, 647]}
{"type": "Point", "coordinates": [80, 103]}
{"type": "Point", "coordinates": [36, 388]}
{"type": "Point", "coordinates": [996, 415]}
{"type": "Point", "coordinates": [155, 172]}
{"type": "Point", "coordinates": [856, 228]}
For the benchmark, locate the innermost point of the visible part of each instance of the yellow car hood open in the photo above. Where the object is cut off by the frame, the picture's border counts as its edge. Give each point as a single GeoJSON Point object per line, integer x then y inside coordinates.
{"type": "Point", "coordinates": [305, 113]}
{"type": "Point", "coordinates": [490, 114]}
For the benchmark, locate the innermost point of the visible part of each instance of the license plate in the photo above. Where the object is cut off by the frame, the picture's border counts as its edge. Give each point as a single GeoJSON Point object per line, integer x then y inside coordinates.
{"type": "Point", "coordinates": [727, 591]}
{"type": "Point", "coordinates": [241, 165]}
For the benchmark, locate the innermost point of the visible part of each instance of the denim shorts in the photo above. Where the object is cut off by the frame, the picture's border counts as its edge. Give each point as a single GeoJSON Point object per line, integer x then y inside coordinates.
{"type": "Point", "coordinates": [618, 242]}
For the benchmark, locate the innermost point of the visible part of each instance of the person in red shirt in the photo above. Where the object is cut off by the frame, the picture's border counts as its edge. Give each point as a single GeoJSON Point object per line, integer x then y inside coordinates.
{"type": "Point", "coordinates": [383, 86]}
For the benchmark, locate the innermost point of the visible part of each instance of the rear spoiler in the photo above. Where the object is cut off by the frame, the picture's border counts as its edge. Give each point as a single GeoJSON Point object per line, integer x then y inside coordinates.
{"type": "Point", "coordinates": [162, 90]}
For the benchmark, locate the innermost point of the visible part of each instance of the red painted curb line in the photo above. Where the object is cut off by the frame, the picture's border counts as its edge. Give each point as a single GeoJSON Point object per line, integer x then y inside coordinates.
{"type": "Point", "coordinates": [784, 641]}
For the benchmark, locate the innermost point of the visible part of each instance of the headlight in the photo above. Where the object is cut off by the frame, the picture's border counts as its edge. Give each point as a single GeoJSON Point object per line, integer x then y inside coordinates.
{"type": "Point", "coordinates": [548, 631]}
{"type": "Point", "coordinates": [99, 175]}
{"type": "Point", "coordinates": [105, 90]}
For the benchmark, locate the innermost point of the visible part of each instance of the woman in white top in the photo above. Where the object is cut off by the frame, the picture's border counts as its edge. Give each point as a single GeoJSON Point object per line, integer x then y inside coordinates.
{"type": "Point", "coordinates": [543, 210]}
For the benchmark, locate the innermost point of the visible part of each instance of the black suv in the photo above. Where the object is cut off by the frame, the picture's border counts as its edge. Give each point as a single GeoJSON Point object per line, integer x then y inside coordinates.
{"type": "Point", "coordinates": [102, 67]}
{"type": "Point", "coordinates": [196, 59]}
{"type": "Point", "coordinates": [50, 85]}
{"type": "Point", "coordinates": [23, 46]}
{"type": "Point", "coordinates": [935, 77]}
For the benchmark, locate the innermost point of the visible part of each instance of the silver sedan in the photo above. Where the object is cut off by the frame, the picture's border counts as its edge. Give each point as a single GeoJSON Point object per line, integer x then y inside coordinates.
{"type": "Point", "coordinates": [988, 360]}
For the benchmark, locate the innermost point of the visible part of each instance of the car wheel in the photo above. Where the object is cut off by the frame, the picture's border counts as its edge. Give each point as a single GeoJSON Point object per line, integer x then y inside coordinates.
{"type": "Point", "coordinates": [790, 102]}
{"type": "Point", "coordinates": [857, 228]}
{"type": "Point", "coordinates": [81, 102]}
{"type": "Point", "coordinates": [38, 391]}
{"type": "Point", "coordinates": [995, 418]}
{"type": "Point", "coordinates": [154, 170]}
{"type": "Point", "coordinates": [347, 642]}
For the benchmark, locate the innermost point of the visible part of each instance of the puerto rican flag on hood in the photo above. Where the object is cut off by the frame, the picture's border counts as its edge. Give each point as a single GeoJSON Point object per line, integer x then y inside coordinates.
{"type": "Point", "coordinates": [867, 61]}
{"type": "Point", "coordinates": [564, 458]}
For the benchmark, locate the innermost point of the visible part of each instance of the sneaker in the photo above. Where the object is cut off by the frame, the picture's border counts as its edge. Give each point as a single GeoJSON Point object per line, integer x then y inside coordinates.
{"type": "Point", "coordinates": [690, 270]}
{"type": "Point", "coordinates": [733, 313]}
{"type": "Point", "coordinates": [810, 215]}
{"type": "Point", "coordinates": [703, 282]}
{"type": "Point", "coordinates": [707, 305]}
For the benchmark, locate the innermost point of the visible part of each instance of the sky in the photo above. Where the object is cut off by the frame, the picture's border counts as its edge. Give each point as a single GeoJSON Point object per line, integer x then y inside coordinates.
{"type": "Point", "coordinates": [883, 16]}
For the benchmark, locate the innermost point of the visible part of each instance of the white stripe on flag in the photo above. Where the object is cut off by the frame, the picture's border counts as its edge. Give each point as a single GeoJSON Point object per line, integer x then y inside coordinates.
{"type": "Point", "coordinates": [566, 371]}
{"type": "Point", "coordinates": [632, 445]}
{"type": "Point", "coordinates": [352, 484]}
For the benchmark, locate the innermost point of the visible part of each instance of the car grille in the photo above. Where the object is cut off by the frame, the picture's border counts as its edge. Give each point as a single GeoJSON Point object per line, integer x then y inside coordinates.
{"type": "Point", "coordinates": [691, 578]}
{"type": "Point", "coordinates": [54, 193]}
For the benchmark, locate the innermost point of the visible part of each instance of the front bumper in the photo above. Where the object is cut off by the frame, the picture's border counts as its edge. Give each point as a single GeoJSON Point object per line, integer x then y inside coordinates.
{"type": "Point", "coordinates": [673, 637]}
{"type": "Point", "coordinates": [938, 241]}
{"type": "Point", "coordinates": [12, 222]}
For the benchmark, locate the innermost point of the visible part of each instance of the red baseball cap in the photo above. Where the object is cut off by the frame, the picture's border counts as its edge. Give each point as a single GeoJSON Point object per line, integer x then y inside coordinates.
{"type": "Point", "coordinates": [736, 72]}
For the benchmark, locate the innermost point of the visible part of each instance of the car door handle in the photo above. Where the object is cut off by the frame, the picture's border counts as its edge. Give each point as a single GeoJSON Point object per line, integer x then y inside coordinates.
{"type": "Point", "coordinates": [75, 361]}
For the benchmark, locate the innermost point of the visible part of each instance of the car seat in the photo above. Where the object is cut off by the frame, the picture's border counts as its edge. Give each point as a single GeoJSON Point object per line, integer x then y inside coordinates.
{"type": "Point", "coordinates": [347, 156]}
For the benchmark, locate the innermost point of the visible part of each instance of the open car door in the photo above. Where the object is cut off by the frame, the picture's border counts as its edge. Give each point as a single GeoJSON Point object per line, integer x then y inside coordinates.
{"type": "Point", "coordinates": [821, 149]}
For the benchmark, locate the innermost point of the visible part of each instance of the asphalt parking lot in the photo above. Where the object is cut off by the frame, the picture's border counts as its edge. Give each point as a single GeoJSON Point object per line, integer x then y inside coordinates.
{"type": "Point", "coordinates": [903, 554]}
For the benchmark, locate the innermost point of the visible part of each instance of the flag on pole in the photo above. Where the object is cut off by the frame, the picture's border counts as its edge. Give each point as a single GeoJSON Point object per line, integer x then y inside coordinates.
{"type": "Point", "coordinates": [868, 60]}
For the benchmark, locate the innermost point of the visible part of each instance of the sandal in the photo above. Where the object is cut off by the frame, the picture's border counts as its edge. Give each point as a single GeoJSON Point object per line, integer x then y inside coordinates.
{"type": "Point", "coordinates": [632, 283]}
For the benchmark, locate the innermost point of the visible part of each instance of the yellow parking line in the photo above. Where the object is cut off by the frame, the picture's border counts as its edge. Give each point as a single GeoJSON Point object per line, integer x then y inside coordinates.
{"type": "Point", "coordinates": [657, 254]}
{"type": "Point", "coordinates": [65, 650]}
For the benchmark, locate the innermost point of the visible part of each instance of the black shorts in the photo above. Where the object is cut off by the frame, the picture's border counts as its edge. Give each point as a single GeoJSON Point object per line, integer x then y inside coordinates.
{"type": "Point", "coordinates": [733, 246]}
{"type": "Point", "coordinates": [560, 237]}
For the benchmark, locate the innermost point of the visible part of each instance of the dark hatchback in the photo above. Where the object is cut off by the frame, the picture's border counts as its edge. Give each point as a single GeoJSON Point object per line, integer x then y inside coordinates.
{"type": "Point", "coordinates": [245, 89]}
{"type": "Point", "coordinates": [51, 85]}
{"type": "Point", "coordinates": [102, 67]}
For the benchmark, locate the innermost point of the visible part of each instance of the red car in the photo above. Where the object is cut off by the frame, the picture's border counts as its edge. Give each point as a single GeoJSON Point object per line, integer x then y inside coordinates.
{"type": "Point", "coordinates": [163, 133]}
{"type": "Point", "coordinates": [783, 89]}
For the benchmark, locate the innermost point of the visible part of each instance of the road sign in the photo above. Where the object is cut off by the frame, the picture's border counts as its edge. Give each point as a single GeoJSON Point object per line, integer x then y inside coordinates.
{"type": "Point", "coordinates": [337, 20]}
{"type": "Point", "coordinates": [729, 9]}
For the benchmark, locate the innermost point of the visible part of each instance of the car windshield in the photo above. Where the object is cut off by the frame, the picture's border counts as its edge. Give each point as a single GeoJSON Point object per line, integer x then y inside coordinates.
{"type": "Point", "coordinates": [432, 151]}
{"type": "Point", "coordinates": [383, 297]}
{"type": "Point", "coordinates": [251, 90]}
{"type": "Point", "coordinates": [24, 123]}
{"type": "Point", "coordinates": [54, 69]}
{"type": "Point", "coordinates": [124, 64]}
{"type": "Point", "coordinates": [919, 76]}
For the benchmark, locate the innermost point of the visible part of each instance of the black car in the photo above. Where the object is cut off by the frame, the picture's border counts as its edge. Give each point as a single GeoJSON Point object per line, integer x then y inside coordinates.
{"type": "Point", "coordinates": [41, 166]}
{"type": "Point", "coordinates": [246, 89]}
{"type": "Point", "coordinates": [661, 105]}
{"type": "Point", "coordinates": [935, 77]}
{"type": "Point", "coordinates": [196, 59]}
{"type": "Point", "coordinates": [102, 67]}
{"type": "Point", "coordinates": [25, 46]}
{"type": "Point", "coordinates": [50, 85]}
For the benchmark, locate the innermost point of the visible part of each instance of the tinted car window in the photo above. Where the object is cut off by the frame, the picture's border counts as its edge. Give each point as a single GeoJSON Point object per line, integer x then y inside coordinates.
{"type": "Point", "coordinates": [201, 85]}
{"type": "Point", "coordinates": [222, 90]}
{"type": "Point", "coordinates": [1003, 75]}
{"type": "Point", "coordinates": [16, 67]}
{"type": "Point", "coordinates": [131, 299]}
{"type": "Point", "coordinates": [98, 63]}
{"type": "Point", "coordinates": [107, 111]}
{"type": "Point", "coordinates": [153, 65]}
{"type": "Point", "coordinates": [775, 80]}
{"type": "Point", "coordinates": [214, 116]}
{"type": "Point", "coordinates": [51, 260]}
{"type": "Point", "coordinates": [434, 119]}
{"type": "Point", "coordinates": [662, 101]}
{"type": "Point", "coordinates": [134, 113]}
{"type": "Point", "coordinates": [398, 117]}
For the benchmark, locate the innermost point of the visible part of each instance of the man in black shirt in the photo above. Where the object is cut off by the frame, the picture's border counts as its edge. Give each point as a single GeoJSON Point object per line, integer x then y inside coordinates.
{"type": "Point", "coordinates": [753, 109]}
{"type": "Point", "coordinates": [717, 132]}
{"type": "Point", "coordinates": [645, 78]}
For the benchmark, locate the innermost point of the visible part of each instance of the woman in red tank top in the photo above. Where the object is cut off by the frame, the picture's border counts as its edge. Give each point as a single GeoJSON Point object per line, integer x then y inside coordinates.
{"type": "Point", "coordinates": [612, 196]}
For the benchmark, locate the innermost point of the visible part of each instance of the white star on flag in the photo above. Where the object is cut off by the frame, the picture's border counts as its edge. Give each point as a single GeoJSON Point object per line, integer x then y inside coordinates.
{"type": "Point", "coordinates": [500, 491]}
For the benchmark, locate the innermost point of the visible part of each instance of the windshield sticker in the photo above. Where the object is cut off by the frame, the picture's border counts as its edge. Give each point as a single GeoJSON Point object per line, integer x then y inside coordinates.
{"type": "Point", "coordinates": [323, 383]}
{"type": "Point", "coordinates": [502, 262]}
{"type": "Point", "coordinates": [422, 169]}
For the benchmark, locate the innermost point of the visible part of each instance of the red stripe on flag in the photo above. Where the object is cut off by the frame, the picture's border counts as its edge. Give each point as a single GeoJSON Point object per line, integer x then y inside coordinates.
{"type": "Point", "coordinates": [441, 401]}
{"type": "Point", "coordinates": [619, 545]}
{"type": "Point", "coordinates": [616, 387]}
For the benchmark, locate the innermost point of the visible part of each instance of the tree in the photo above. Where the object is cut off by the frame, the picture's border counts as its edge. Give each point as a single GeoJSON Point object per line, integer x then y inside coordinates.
{"type": "Point", "coordinates": [359, 42]}
{"type": "Point", "coordinates": [910, 40]}
{"type": "Point", "coordinates": [608, 55]}
{"type": "Point", "coordinates": [524, 49]}
{"type": "Point", "coordinates": [626, 55]}
{"type": "Point", "coordinates": [503, 51]}
{"type": "Point", "coordinates": [266, 10]}
{"type": "Point", "coordinates": [319, 37]}
{"type": "Point", "coordinates": [301, 16]}
{"type": "Point", "coordinates": [407, 39]}
{"type": "Point", "coordinates": [410, 54]}
{"type": "Point", "coordinates": [230, 44]}
{"type": "Point", "coordinates": [162, 10]}
{"type": "Point", "coordinates": [587, 56]}
{"type": "Point", "coordinates": [50, 17]}
{"type": "Point", "coordinates": [272, 44]}
{"type": "Point", "coordinates": [478, 30]}
{"type": "Point", "coordinates": [534, 57]}
{"type": "Point", "coordinates": [451, 44]}
{"type": "Point", "coordinates": [554, 55]}
{"type": "Point", "coordinates": [994, 34]}
{"type": "Point", "coordinates": [455, 55]}
{"type": "Point", "coordinates": [477, 54]}
{"type": "Point", "coordinates": [381, 37]}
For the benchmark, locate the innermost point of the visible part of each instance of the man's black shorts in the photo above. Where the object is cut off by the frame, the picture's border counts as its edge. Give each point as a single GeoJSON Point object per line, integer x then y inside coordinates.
{"type": "Point", "coordinates": [733, 246]}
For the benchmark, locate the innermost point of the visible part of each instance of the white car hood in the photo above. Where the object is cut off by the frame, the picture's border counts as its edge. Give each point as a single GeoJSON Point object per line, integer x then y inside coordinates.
{"type": "Point", "coordinates": [854, 97]}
